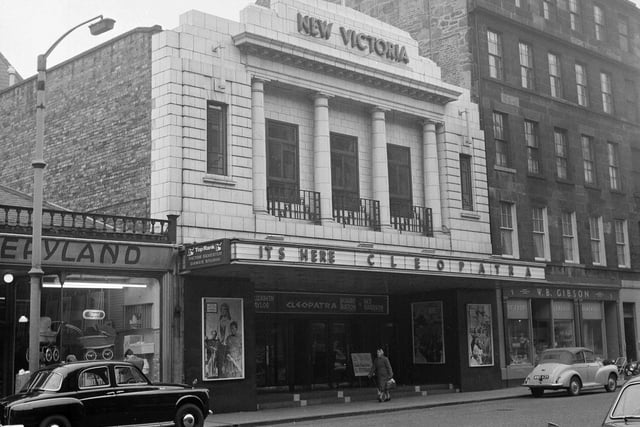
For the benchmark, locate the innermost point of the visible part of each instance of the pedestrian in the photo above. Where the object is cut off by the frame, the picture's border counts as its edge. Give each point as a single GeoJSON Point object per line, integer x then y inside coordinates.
{"type": "Point", "coordinates": [381, 369]}
{"type": "Point", "coordinates": [130, 357]}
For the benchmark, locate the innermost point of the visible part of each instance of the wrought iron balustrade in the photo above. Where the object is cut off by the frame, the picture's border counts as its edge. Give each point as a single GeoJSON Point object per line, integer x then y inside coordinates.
{"type": "Point", "coordinates": [358, 211]}
{"type": "Point", "coordinates": [416, 219]}
{"type": "Point", "coordinates": [17, 219]}
{"type": "Point", "coordinates": [295, 204]}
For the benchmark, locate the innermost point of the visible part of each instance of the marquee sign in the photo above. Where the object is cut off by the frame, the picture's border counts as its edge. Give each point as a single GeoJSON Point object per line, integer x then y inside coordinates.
{"type": "Point", "coordinates": [256, 252]}
{"type": "Point", "coordinates": [309, 303]}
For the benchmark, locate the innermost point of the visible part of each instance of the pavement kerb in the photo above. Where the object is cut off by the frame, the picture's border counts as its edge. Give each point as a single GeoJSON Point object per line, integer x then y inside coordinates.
{"type": "Point", "coordinates": [337, 412]}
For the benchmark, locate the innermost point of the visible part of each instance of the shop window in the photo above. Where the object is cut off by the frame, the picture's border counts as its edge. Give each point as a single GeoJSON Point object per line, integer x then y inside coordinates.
{"type": "Point", "coordinates": [541, 322]}
{"type": "Point", "coordinates": [93, 318]}
{"type": "Point", "coordinates": [592, 327]}
{"type": "Point", "coordinates": [519, 348]}
{"type": "Point", "coordinates": [563, 325]}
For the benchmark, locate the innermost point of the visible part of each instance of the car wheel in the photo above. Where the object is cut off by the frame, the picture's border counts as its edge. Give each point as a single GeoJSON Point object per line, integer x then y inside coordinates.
{"type": "Point", "coordinates": [574, 386]}
{"type": "Point", "coordinates": [612, 383]}
{"type": "Point", "coordinates": [537, 392]}
{"type": "Point", "coordinates": [55, 421]}
{"type": "Point", "coordinates": [189, 415]}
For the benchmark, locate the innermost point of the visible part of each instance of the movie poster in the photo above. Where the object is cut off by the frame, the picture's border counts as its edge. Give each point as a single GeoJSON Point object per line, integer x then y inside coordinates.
{"type": "Point", "coordinates": [223, 341]}
{"type": "Point", "coordinates": [428, 332]}
{"type": "Point", "coordinates": [479, 335]}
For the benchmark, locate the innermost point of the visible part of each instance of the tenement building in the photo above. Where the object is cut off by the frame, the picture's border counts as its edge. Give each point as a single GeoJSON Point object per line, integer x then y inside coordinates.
{"type": "Point", "coordinates": [329, 191]}
{"type": "Point", "coordinates": [557, 86]}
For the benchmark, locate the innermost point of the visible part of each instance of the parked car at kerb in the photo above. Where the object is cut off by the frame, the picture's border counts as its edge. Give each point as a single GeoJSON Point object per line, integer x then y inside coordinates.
{"type": "Point", "coordinates": [102, 393]}
{"type": "Point", "coordinates": [625, 410]}
{"type": "Point", "coordinates": [570, 368]}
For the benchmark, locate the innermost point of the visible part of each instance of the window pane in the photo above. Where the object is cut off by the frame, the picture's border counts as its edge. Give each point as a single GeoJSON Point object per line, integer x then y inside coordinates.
{"type": "Point", "coordinates": [466, 182]}
{"type": "Point", "coordinates": [560, 142]}
{"type": "Point", "coordinates": [216, 139]}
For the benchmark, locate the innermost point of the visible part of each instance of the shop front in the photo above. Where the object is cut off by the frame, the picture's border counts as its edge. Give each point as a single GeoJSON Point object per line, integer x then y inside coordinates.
{"type": "Point", "coordinates": [540, 317]}
{"type": "Point", "coordinates": [311, 318]}
{"type": "Point", "coordinates": [99, 299]}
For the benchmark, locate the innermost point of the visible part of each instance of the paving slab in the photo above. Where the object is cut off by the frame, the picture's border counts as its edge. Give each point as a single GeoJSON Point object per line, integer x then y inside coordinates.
{"type": "Point", "coordinates": [333, 410]}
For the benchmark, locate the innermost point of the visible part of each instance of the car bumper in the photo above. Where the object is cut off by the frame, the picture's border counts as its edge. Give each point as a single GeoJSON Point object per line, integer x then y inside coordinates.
{"type": "Point", "coordinates": [550, 386]}
{"type": "Point", "coordinates": [11, 425]}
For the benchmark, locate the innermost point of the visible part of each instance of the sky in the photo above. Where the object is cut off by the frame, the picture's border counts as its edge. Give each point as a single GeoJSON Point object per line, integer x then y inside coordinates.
{"type": "Point", "coordinates": [29, 27]}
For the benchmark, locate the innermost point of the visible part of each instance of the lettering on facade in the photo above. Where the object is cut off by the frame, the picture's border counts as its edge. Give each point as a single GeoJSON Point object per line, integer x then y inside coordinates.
{"type": "Point", "coordinates": [315, 27]}
{"type": "Point", "coordinates": [560, 293]}
{"type": "Point", "coordinates": [19, 249]}
{"type": "Point", "coordinates": [373, 260]}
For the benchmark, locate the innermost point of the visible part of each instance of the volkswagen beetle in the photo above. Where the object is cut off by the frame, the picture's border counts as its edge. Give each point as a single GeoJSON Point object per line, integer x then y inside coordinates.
{"type": "Point", "coordinates": [102, 393]}
{"type": "Point", "coordinates": [572, 369]}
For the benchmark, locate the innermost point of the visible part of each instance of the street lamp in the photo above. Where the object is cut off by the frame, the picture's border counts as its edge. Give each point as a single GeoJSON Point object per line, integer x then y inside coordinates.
{"type": "Point", "coordinates": [35, 274]}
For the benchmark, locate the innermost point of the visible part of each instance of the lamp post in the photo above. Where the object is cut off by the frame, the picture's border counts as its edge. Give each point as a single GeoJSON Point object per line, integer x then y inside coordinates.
{"type": "Point", "coordinates": [35, 274]}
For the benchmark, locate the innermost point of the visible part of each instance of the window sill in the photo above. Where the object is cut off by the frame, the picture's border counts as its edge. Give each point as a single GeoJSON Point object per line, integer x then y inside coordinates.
{"type": "Point", "coordinates": [564, 181]}
{"type": "Point", "coordinates": [592, 187]}
{"type": "Point", "coordinates": [618, 192]}
{"type": "Point", "coordinates": [219, 180]}
{"type": "Point", "coordinates": [470, 215]}
{"type": "Point", "coordinates": [539, 177]}
{"type": "Point", "coordinates": [505, 169]}
{"type": "Point", "coordinates": [541, 259]}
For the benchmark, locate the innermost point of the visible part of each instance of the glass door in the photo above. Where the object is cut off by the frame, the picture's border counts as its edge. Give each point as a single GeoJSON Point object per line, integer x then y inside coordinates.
{"type": "Point", "coordinates": [270, 354]}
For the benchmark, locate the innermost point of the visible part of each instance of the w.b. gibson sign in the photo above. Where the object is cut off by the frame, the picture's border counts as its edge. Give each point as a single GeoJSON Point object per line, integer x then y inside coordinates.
{"type": "Point", "coordinates": [314, 27]}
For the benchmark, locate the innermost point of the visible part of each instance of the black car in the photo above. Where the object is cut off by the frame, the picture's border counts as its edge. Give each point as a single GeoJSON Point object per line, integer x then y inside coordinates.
{"type": "Point", "coordinates": [102, 393]}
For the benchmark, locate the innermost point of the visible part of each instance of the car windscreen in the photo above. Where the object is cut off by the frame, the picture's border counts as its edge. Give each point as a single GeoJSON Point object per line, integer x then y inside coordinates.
{"type": "Point", "coordinates": [628, 404]}
{"type": "Point", "coordinates": [44, 380]}
{"type": "Point", "coordinates": [557, 356]}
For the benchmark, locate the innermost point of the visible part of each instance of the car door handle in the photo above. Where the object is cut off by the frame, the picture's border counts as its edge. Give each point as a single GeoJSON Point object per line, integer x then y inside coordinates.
{"type": "Point", "coordinates": [112, 393]}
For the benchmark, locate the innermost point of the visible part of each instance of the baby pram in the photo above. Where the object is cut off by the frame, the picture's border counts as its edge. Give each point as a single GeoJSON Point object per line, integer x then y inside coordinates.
{"type": "Point", "coordinates": [49, 351]}
{"type": "Point", "coordinates": [97, 344]}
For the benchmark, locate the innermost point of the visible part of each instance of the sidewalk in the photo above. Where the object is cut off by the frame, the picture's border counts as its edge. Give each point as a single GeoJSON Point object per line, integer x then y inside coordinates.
{"type": "Point", "coordinates": [315, 412]}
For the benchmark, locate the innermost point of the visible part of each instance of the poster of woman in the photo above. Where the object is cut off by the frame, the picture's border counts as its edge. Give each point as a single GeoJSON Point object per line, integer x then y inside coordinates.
{"type": "Point", "coordinates": [223, 342]}
{"type": "Point", "coordinates": [428, 332]}
{"type": "Point", "coordinates": [479, 335]}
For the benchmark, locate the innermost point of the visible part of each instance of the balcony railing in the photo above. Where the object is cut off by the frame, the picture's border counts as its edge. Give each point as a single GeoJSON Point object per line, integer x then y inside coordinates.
{"type": "Point", "coordinates": [415, 219]}
{"type": "Point", "coordinates": [360, 212]}
{"type": "Point", "coordinates": [294, 204]}
{"type": "Point", "coordinates": [16, 219]}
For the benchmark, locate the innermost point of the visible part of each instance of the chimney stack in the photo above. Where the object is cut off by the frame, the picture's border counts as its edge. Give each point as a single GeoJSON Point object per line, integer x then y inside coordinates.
{"type": "Point", "coordinates": [12, 75]}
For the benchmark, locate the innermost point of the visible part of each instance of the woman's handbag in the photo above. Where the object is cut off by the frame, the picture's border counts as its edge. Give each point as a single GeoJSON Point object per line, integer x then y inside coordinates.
{"type": "Point", "coordinates": [391, 383]}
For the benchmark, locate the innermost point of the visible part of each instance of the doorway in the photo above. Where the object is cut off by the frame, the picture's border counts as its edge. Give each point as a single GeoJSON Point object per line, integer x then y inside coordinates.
{"type": "Point", "coordinates": [628, 309]}
{"type": "Point", "coordinates": [271, 369]}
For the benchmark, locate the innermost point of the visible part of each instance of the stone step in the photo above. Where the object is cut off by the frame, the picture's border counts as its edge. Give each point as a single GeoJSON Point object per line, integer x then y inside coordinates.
{"type": "Point", "coordinates": [347, 395]}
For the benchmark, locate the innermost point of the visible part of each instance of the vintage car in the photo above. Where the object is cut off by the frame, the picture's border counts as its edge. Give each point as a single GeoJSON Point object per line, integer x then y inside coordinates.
{"type": "Point", "coordinates": [570, 368]}
{"type": "Point", "coordinates": [102, 393]}
{"type": "Point", "coordinates": [625, 410]}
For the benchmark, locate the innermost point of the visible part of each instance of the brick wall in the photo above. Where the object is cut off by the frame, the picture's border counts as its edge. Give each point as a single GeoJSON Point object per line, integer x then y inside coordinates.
{"type": "Point", "coordinates": [97, 129]}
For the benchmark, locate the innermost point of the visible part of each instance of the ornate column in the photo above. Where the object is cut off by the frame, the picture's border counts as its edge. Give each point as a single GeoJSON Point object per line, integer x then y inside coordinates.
{"type": "Point", "coordinates": [259, 147]}
{"type": "Point", "coordinates": [322, 155]}
{"type": "Point", "coordinates": [431, 172]}
{"type": "Point", "coordinates": [379, 164]}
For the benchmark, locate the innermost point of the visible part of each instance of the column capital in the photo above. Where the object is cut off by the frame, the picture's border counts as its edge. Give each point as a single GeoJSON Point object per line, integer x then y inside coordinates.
{"type": "Point", "coordinates": [426, 122]}
{"type": "Point", "coordinates": [320, 95]}
{"type": "Point", "coordinates": [377, 109]}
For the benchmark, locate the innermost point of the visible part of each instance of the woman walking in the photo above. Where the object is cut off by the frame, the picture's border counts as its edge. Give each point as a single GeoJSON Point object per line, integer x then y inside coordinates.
{"type": "Point", "coordinates": [381, 368]}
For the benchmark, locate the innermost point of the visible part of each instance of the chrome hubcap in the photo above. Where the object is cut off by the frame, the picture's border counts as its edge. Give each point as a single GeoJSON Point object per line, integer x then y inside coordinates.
{"type": "Point", "coordinates": [188, 420]}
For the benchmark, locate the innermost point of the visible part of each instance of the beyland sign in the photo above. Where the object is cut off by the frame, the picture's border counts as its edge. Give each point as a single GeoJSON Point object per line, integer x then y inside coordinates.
{"type": "Point", "coordinates": [79, 253]}
{"type": "Point", "coordinates": [315, 27]}
{"type": "Point", "coordinates": [326, 257]}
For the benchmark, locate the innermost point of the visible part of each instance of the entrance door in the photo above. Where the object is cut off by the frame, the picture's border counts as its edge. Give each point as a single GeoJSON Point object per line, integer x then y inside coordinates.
{"type": "Point", "coordinates": [329, 351]}
{"type": "Point", "coordinates": [630, 330]}
{"type": "Point", "coordinates": [271, 367]}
